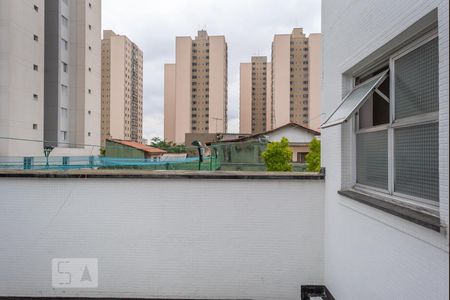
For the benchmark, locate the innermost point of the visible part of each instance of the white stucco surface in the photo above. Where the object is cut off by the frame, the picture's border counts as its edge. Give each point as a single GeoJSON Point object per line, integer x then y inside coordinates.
{"type": "Point", "coordinates": [228, 239]}
{"type": "Point", "coordinates": [370, 254]}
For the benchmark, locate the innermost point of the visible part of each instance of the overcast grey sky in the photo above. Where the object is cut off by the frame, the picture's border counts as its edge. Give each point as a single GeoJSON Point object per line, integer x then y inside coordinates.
{"type": "Point", "coordinates": [248, 26]}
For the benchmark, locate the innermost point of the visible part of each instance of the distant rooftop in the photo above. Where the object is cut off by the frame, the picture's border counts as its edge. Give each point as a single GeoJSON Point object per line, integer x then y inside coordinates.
{"type": "Point", "coordinates": [139, 146]}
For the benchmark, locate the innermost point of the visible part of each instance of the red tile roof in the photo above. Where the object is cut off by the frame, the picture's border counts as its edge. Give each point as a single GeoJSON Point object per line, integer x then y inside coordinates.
{"type": "Point", "coordinates": [139, 146]}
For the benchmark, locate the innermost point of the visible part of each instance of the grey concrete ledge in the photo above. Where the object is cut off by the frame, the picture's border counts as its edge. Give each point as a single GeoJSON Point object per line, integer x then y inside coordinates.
{"type": "Point", "coordinates": [415, 216]}
{"type": "Point", "coordinates": [160, 174]}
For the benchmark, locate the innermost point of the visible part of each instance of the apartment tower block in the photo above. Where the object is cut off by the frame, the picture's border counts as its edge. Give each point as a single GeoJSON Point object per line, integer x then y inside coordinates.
{"type": "Point", "coordinates": [255, 95]}
{"type": "Point", "coordinates": [285, 90]}
{"type": "Point", "coordinates": [22, 28]}
{"type": "Point", "coordinates": [290, 79]}
{"type": "Point", "coordinates": [122, 88]}
{"type": "Point", "coordinates": [195, 87]}
{"type": "Point", "coordinates": [49, 77]}
{"type": "Point", "coordinates": [72, 76]}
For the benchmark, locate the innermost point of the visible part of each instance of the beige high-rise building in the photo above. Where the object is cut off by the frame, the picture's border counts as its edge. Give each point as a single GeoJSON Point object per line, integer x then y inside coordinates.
{"type": "Point", "coordinates": [195, 87]}
{"type": "Point", "coordinates": [315, 79]}
{"type": "Point", "coordinates": [122, 88]}
{"type": "Point", "coordinates": [285, 90]}
{"type": "Point", "coordinates": [255, 96]}
{"type": "Point", "coordinates": [72, 76]}
{"type": "Point", "coordinates": [22, 77]}
{"type": "Point", "coordinates": [291, 70]}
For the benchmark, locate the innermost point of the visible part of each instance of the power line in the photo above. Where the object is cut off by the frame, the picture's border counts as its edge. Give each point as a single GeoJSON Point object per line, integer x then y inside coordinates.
{"type": "Point", "coordinates": [47, 141]}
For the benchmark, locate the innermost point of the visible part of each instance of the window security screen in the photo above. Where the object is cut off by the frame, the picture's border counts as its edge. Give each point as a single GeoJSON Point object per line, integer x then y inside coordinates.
{"type": "Point", "coordinates": [416, 156]}
{"type": "Point", "coordinates": [372, 159]}
{"type": "Point", "coordinates": [417, 81]}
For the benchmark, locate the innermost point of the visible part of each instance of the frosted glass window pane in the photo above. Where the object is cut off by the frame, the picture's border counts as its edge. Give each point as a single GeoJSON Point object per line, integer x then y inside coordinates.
{"type": "Point", "coordinates": [416, 154]}
{"type": "Point", "coordinates": [372, 159]}
{"type": "Point", "coordinates": [417, 81]}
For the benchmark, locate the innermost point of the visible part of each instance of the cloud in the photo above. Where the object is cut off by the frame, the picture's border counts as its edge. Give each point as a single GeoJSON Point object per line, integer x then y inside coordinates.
{"type": "Point", "coordinates": [154, 126]}
{"type": "Point", "coordinates": [248, 27]}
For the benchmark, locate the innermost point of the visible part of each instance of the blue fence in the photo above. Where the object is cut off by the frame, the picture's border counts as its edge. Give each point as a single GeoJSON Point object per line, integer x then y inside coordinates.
{"type": "Point", "coordinates": [102, 162]}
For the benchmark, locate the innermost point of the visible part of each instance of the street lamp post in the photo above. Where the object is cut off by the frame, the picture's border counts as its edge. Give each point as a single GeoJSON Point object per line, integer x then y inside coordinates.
{"type": "Point", "coordinates": [199, 146]}
{"type": "Point", "coordinates": [47, 150]}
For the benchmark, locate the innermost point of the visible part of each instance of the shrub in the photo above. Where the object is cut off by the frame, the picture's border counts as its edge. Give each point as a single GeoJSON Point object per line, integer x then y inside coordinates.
{"type": "Point", "coordinates": [313, 157]}
{"type": "Point", "coordinates": [278, 156]}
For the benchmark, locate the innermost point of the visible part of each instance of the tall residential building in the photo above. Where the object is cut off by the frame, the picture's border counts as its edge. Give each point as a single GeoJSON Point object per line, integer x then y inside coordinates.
{"type": "Point", "coordinates": [315, 79]}
{"type": "Point", "coordinates": [72, 76]}
{"type": "Point", "coordinates": [255, 95]}
{"type": "Point", "coordinates": [22, 27]}
{"type": "Point", "coordinates": [195, 87]}
{"type": "Point", "coordinates": [291, 68]}
{"type": "Point", "coordinates": [122, 88]}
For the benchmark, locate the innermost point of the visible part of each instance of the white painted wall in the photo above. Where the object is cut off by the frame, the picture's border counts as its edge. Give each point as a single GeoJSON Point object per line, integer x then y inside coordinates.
{"type": "Point", "coordinates": [370, 254]}
{"type": "Point", "coordinates": [294, 135]}
{"type": "Point", "coordinates": [258, 239]}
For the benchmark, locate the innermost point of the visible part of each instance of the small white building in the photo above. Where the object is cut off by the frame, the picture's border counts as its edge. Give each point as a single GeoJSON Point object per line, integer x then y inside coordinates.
{"type": "Point", "coordinates": [299, 138]}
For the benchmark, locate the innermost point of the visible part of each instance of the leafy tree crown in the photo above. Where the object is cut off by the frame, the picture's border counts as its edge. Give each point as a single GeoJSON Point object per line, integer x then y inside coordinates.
{"type": "Point", "coordinates": [313, 157]}
{"type": "Point", "coordinates": [278, 156]}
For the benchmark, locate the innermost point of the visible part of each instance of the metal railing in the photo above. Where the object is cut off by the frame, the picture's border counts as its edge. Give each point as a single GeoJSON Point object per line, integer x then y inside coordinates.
{"type": "Point", "coordinates": [209, 163]}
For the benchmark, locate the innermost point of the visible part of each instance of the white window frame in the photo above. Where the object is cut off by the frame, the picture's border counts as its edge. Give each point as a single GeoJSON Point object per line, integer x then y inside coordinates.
{"type": "Point", "coordinates": [427, 118]}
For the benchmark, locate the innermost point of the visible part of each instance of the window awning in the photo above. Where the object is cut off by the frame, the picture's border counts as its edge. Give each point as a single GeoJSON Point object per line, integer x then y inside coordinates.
{"type": "Point", "coordinates": [354, 100]}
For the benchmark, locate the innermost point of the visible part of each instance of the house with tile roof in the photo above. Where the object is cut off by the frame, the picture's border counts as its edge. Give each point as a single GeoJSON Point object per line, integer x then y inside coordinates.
{"type": "Point", "coordinates": [131, 149]}
{"type": "Point", "coordinates": [246, 151]}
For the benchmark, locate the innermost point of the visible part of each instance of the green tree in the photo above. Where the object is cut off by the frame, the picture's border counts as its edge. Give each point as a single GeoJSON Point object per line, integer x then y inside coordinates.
{"type": "Point", "coordinates": [170, 147]}
{"type": "Point", "coordinates": [278, 156]}
{"type": "Point", "coordinates": [313, 157]}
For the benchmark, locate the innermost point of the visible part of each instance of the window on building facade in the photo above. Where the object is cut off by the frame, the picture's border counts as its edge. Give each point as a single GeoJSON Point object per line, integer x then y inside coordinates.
{"type": "Point", "coordinates": [64, 112]}
{"type": "Point", "coordinates": [64, 21]}
{"type": "Point", "coordinates": [396, 125]}
{"type": "Point", "coordinates": [65, 44]}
